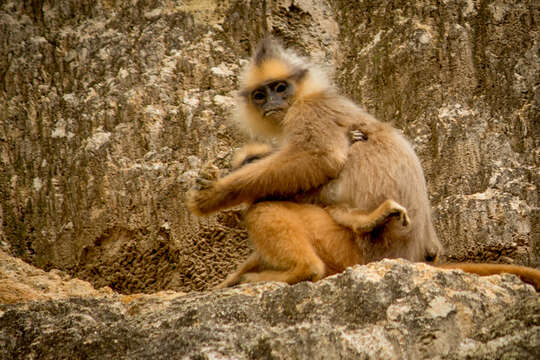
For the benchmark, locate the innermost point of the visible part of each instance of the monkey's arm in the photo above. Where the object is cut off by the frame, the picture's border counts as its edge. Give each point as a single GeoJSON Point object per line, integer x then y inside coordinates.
{"type": "Point", "coordinates": [250, 153]}
{"type": "Point", "coordinates": [281, 174]}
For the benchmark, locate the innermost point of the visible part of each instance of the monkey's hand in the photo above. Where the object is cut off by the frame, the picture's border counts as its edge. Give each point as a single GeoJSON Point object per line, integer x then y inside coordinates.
{"type": "Point", "coordinates": [198, 201]}
{"type": "Point", "coordinates": [290, 170]}
{"type": "Point", "coordinates": [206, 201]}
{"type": "Point", "coordinates": [203, 189]}
{"type": "Point", "coordinates": [250, 153]}
{"type": "Point", "coordinates": [357, 135]}
{"type": "Point", "coordinates": [208, 175]}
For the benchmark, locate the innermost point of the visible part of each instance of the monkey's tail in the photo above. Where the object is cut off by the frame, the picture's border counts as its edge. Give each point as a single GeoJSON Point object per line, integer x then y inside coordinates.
{"type": "Point", "coordinates": [526, 274]}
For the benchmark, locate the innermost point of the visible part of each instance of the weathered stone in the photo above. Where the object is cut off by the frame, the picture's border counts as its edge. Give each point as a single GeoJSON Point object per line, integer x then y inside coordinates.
{"type": "Point", "coordinates": [20, 282]}
{"type": "Point", "coordinates": [104, 110]}
{"type": "Point", "coordinates": [109, 109]}
{"type": "Point", "coordinates": [386, 310]}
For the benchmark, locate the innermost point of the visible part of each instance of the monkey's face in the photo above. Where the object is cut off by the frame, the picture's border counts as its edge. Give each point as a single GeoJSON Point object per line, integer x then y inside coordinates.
{"type": "Point", "coordinates": [270, 85]}
{"type": "Point", "coordinates": [272, 99]}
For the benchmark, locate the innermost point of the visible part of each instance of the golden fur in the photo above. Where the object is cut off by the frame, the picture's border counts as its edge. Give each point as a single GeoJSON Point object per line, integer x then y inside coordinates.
{"type": "Point", "coordinates": [354, 219]}
{"type": "Point", "coordinates": [250, 152]}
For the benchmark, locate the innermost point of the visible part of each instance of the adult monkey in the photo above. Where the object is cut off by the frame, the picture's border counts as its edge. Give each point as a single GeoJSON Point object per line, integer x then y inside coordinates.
{"type": "Point", "coordinates": [315, 163]}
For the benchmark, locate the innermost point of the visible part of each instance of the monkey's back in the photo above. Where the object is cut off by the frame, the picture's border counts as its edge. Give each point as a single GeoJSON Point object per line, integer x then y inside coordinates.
{"type": "Point", "coordinates": [383, 167]}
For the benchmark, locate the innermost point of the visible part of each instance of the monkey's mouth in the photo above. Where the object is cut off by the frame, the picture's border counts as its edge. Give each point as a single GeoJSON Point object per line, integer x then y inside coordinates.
{"type": "Point", "coordinates": [272, 112]}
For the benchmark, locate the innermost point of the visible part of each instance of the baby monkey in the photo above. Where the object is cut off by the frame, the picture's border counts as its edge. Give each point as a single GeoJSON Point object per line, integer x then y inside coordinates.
{"type": "Point", "coordinates": [336, 255]}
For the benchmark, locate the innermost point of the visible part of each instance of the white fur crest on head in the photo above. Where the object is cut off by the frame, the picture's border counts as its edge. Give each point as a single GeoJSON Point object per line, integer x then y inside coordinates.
{"type": "Point", "coordinates": [270, 56]}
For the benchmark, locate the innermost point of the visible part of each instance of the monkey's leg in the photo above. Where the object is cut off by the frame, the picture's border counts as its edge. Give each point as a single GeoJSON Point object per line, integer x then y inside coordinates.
{"type": "Point", "coordinates": [282, 239]}
{"type": "Point", "coordinates": [251, 263]}
{"type": "Point", "coordinates": [363, 222]}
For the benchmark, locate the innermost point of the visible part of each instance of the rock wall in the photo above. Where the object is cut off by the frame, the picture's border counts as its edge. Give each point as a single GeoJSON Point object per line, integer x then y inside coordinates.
{"type": "Point", "coordinates": [461, 79]}
{"type": "Point", "coordinates": [109, 108]}
{"type": "Point", "coordinates": [108, 111]}
{"type": "Point", "coordinates": [21, 282]}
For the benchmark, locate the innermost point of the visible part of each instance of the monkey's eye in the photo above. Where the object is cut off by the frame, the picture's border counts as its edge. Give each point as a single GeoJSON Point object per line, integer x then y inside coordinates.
{"type": "Point", "coordinates": [258, 96]}
{"type": "Point", "coordinates": [281, 87]}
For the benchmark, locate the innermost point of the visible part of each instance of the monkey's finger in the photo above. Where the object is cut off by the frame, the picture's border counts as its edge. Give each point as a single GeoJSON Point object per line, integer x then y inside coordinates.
{"type": "Point", "coordinates": [208, 175]}
{"type": "Point", "coordinates": [357, 135]}
{"type": "Point", "coordinates": [405, 220]}
{"type": "Point", "coordinates": [209, 171]}
{"type": "Point", "coordinates": [201, 183]}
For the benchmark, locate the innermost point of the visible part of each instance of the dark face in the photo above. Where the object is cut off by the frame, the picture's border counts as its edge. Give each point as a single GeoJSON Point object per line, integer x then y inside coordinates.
{"type": "Point", "coordinates": [273, 98]}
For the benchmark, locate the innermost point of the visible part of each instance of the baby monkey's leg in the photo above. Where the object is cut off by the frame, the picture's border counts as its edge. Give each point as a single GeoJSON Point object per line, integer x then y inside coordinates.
{"type": "Point", "coordinates": [363, 222]}
{"type": "Point", "coordinates": [251, 264]}
{"type": "Point", "coordinates": [284, 244]}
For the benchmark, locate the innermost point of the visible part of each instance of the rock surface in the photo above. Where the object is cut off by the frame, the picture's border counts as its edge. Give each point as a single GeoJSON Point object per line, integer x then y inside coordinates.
{"type": "Point", "coordinates": [386, 310]}
{"type": "Point", "coordinates": [20, 282]}
{"type": "Point", "coordinates": [461, 79]}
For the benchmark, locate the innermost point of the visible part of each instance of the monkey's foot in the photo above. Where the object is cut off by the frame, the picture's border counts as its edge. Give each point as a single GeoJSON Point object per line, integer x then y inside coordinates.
{"type": "Point", "coordinates": [231, 280]}
{"type": "Point", "coordinates": [400, 212]}
{"type": "Point", "coordinates": [235, 279]}
{"type": "Point", "coordinates": [250, 277]}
